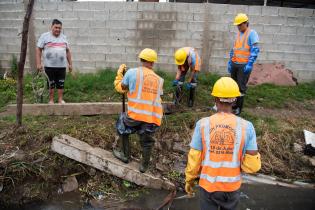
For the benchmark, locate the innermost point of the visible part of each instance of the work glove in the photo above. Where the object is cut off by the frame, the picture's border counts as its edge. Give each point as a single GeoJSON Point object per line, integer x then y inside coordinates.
{"type": "Point", "coordinates": [120, 75]}
{"type": "Point", "coordinates": [121, 71]}
{"type": "Point", "coordinates": [175, 82]}
{"type": "Point", "coordinates": [188, 86]}
{"type": "Point", "coordinates": [189, 187]}
{"type": "Point", "coordinates": [229, 67]}
{"type": "Point", "coordinates": [251, 163]}
{"type": "Point", "coordinates": [248, 68]}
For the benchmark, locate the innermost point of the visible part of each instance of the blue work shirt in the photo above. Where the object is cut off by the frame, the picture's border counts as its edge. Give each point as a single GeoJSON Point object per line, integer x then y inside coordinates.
{"type": "Point", "coordinates": [250, 139]}
{"type": "Point", "coordinates": [130, 79]}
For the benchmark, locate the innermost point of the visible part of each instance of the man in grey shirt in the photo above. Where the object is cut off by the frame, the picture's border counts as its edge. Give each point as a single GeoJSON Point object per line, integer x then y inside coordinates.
{"type": "Point", "coordinates": [55, 49]}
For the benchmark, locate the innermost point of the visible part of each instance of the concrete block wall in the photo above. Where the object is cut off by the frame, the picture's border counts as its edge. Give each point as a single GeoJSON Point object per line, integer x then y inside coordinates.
{"type": "Point", "coordinates": [106, 34]}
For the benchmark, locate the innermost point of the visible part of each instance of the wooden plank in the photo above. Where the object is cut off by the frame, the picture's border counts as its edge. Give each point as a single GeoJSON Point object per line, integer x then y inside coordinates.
{"type": "Point", "coordinates": [105, 161]}
{"type": "Point", "coordinates": [95, 108]}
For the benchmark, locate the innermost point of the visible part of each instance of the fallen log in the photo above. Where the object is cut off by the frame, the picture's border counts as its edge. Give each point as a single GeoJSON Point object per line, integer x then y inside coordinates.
{"type": "Point", "coordinates": [105, 161]}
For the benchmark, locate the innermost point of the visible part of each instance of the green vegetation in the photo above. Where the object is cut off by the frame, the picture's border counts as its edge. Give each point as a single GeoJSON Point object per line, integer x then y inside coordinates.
{"type": "Point", "coordinates": [98, 87]}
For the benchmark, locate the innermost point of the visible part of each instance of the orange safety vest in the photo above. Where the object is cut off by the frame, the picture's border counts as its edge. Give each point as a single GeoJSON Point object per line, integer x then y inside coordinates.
{"type": "Point", "coordinates": [241, 49]}
{"type": "Point", "coordinates": [145, 104]}
{"type": "Point", "coordinates": [189, 51]}
{"type": "Point", "coordinates": [223, 137]}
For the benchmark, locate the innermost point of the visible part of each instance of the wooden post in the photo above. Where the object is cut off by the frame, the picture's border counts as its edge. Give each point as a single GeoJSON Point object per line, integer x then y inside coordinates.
{"type": "Point", "coordinates": [19, 96]}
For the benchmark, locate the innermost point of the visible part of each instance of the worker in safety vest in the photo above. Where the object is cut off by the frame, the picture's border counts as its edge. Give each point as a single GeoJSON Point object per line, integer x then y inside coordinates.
{"type": "Point", "coordinates": [144, 116]}
{"type": "Point", "coordinates": [242, 57]}
{"type": "Point", "coordinates": [186, 58]}
{"type": "Point", "coordinates": [223, 145]}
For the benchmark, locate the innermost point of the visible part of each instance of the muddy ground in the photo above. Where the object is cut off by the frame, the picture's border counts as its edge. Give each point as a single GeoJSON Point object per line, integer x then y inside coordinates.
{"type": "Point", "coordinates": [29, 170]}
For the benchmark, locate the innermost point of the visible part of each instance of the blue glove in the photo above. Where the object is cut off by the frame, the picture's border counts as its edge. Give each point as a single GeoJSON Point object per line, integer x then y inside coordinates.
{"type": "Point", "coordinates": [188, 86]}
{"type": "Point", "coordinates": [175, 82]}
{"type": "Point", "coordinates": [229, 66]}
{"type": "Point", "coordinates": [248, 68]}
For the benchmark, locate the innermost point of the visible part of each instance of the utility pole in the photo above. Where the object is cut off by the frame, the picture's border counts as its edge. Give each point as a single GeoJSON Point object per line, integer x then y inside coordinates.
{"type": "Point", "coordinates": [19, 96]}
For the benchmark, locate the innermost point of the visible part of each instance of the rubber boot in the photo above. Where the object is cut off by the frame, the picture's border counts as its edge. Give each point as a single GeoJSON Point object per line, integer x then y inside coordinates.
{"type": "Point", "coordinates": [124, 153]}
{"type": "Point", "coordinates": [191, 99]}
{"type": "Point", "coordinates": [147, 143]}
{"type": "Point", "coordinates": [146, 155]}
{"type": "Point", "coordinates": [177, 94]}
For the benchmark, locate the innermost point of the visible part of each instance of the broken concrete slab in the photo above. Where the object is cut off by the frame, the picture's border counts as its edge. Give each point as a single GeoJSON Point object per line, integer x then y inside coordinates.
{"type": "Point", "coordinates": [105, 161]}
{"type": "Point", "coordinates": [309, 138]}
{"type": "Point", "coordinates": [95, 108]}
{"type": "Point", "coordinates": [272, 73]}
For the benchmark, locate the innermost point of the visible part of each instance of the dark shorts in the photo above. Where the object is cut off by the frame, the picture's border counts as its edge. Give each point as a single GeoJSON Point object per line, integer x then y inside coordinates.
{"type": "Point", "coordinates": [125, 125]}
{"type": "Point", "coordinates": [56, 77]}
{"type": "Point", "coordinates": [214, 200]}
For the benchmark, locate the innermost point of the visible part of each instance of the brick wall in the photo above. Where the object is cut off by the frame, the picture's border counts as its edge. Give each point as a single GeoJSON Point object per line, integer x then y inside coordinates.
{"type": "Point", "coordinates": [106, 34]}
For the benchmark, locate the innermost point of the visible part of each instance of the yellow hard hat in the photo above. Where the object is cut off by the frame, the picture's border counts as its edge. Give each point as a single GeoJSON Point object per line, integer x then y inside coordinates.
{"type": "Point", "coordinates": [148, 55]}
{"type": "Point", "coordinates": [240, 18]}
{"type": "Point", "coordinates": [225, 87]}
{"type": "Point", "coordinates": [180, 56]}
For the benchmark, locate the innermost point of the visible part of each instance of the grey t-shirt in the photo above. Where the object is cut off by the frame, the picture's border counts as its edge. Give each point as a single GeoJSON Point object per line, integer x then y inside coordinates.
{"type": "Point", "coordinates": [55, 54]}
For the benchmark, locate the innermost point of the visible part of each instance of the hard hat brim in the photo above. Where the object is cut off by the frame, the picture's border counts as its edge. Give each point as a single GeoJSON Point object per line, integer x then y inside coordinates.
{"type": "Point", "coordinates": [179, 63]}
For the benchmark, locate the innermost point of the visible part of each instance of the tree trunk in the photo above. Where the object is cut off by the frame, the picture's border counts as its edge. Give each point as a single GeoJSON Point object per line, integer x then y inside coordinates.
{"type": "Point", "coordinates": [19, 96]}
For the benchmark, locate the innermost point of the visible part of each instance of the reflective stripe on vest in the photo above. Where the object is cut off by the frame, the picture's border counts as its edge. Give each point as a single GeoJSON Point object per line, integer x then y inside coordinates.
{"type": "Point", "coordinates": [221, 175]}
{"type": "Point", "coordinates": [241, 49]}
{"type": "Point", "coordinates": [144, 104]}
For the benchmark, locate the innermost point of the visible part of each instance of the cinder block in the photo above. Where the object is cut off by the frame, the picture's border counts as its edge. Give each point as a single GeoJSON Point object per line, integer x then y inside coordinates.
{"type": "Point", "coordinates": [258, 28]}
{"type": "Point", "coordinates": [223, 19]}
{"type": "Point", "coordinates": [215, 26]}
{"type": "Point", "coordinates": [295, 21]}
{"type": "Point", "coordinates": [98, 32]}
{"type": "Point", "coordinates": [305, 30]}
{"type": "Point", "coordinates": [130, 33]}
{"type": "Point", "coordinates": [196, 26]}
{"type": "Point", "coordinates": [166, 35]}
{"type": "Point", "coordinates": [4, 15]}
{"type": "Point", "coordinates": [130, 6]}
{"type": "Point", "coordinates": [166, 51]}
{"type": "Point", "coordinates": [10, 23]}
{"type": "Point", "coordinates": [285, 47]}
{"type": "Point", "coordinates": [101, 15]}
{"type": "Point", "coordinates": [117, 50]}
{"type": "Point", "coordinates": [301, 12]}
{"type": "Point", "coordinates": [291, 56]}
{"type": "Point", "coordinates": [305, 75]}
{"type": "Point", "coordinates": [97, 24]}
{"type": "Point", "coordinates": [196, 8]}
{"type": "Point", "coordinates": [96, 6]}
{"type": "Point", "coordinates": [84, 64]}
{"type": "Point", "coordinates": [71, 32]}
{"type": "Point", "coordinates": [270, 11]}
{"type": "Point", "coordinates": [309, 21]}
{"type": "Point", "coordinates": [183, 34]}
{"type": "Point", "coordinates": [132, 50]}
{"type": "Point", "coordinates": [276, 21]}
{"type": "Point", "coordinates": [117, 33]}
{"type": "Point", "coordinates": [287, 12]}
{"type": "Point", "coordinates": [310, 39]}
{"type": "Point", "coordinates": [145, 6]}
{"type": "Point", "coordinates": [165, 7]}
{"type": "Point", "coordinates": [260, 20]}
{"type": "Point", "coordinates": [117, 24]}
{"type": "Point", "coordinates": [78, 6]}
{"type": "Point", "coordinates": [294, 65]}
{"type": "Point", "coordinates": [184, 16]}
{"type": "Point", "coordinates": [191, 42]}
{"type": "Point", "coordinates": [65, 6]}
{"type": "Point", "coordinates": [182, 26]}
{"type": "Point", "coordinates": [266, 38]}
{"type": "Point", "coordinates": [12, 7]}
{"type": "Point", "coordinates": [96, 56]}
{"type": "Point", "coordinates": [307, 57]}
{"type": "Point", "coordinates": [69, 15]}
{"type": "Point", "coordinates": [284, 38]}
{"type": "Point", "coordinates": [254, 10]}
{"type": "Point", "coordinates": [82, 40]}
{"type": "Point", "coordinates": [197, 35]}
{"type": "Point", "coordinates": [275, 56]}
{"type": "Point", "coordinates": [86, 15]}
{"type": "Point", "coordinates": [171, 16]}
{"type": "Point", "coordinates": [181, 7]}
{"type": "Point", "coordinates": [76, 23]}
{"type": "Point", "coordinates": [102, 48]}
{"type": "Point", "coordinates": [235, 9]}
{"type": "Point", "coordinates": [150, 15]}
{"type": "Point", "coordinates": [113, 57]}
{"type": "Point", "coordinates": [288, 29]}
{"type": "Point", "coordinates": [218, 9]}
{"type": "Point", "coordinates": [271, 29]}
